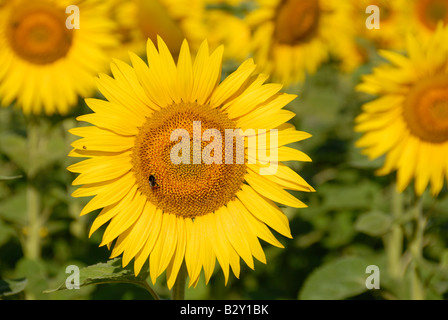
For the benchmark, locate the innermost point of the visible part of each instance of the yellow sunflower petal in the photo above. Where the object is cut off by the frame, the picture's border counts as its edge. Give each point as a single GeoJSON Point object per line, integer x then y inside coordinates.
{"type": "Point", "coordinates": [193, 249]}
{"type": "Point", "coordinates": [101, 168]}
{"type": "Point", "coordinates": [164, 247]}
{"type": "Point", "coordinates": [185, 73]}
{"type": "Point", "coordinates": [237, 239]}
{"type": "Point", "coordinates": [207, 73]}
{"type": "Point", "coordinates": [137, 232]}
{"type": "Point", "coordinates": [250, 237]}
{"type": "Point", "coordinates": [264, 210]}
{"type": "Point", "coordinates": [232, 83]}
{"type": "Point", "coordinates": [119, 223]}
{"type": "Point", "coordinates": [272, 191]}
{"type": "Point", "coordinates": [150, 85]}
{"type": "Point", "coordinates": [178, 257]}
{"type": "Point", "coordinates": [106, 193]}
{"type": "Point", "coordinates": [153, 233]}
{"type": "Point", "coordinates": [97, 139]}
{"type": "Point", "coordinates": [257, 226]}
{"type": "Point", "coordinates": [218, 243]}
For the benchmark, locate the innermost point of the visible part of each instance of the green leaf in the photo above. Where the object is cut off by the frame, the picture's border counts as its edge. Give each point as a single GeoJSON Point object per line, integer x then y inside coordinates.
{"type": "Point", "coordinates": [13, 208]}
{"type": "Point", "coordinates": [6, 232]}
{"type": "Point", "coordinates": [360, 161]}
{"type": "Point", "coordinates": [15, 147]}
{"type": "Point", "coordinates": [50, 148]}
{"type": "Point", "coordinates": [340, 230]}
{"type": "Point", "coordinates": [108, 272]}
{"type": "Point", "coordinates": [35, 271]}
{"type": "Point", "coordinates": [349, 197]}
{"type": "Point", "coordinates": [11, 287]}
{"type": "Point", "coordinates": [373, 223]}
{"type": "Point", "coordinates": [339, 279]}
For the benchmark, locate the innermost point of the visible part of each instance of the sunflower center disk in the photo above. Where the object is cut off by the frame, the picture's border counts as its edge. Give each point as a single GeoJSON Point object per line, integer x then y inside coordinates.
{"type": "Point", "coordinates": [189, 188]}
{"type": "Point", "coordinates": [296, 21]}
{"type": "Point", "coordinates": [38, 34]}
{"type": "Point", "coordinates": [426, 109]}
{"type": "Point", "coordinates": [430, 12]}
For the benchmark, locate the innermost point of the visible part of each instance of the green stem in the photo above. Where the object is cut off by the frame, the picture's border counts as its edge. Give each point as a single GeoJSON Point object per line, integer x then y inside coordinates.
{"type": "Point", "coordinates": [32, 241]}
{"type": "Point", "coordinates": [394, 240]}
{"type": "Point", "coordinates": [74, 206]}
{"type": "Point", "coordinates": [154, 294]}
{"type": "Point", "coordinates": [416, 248]}
{"type": "Point", "coordinates": [178, 291]}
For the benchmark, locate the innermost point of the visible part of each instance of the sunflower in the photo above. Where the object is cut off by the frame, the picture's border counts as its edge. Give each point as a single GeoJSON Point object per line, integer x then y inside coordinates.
{"type": "Point", "coordinates": [173, 20]}
{"type": "Point", "coordinates": [292, 38]}
{"type": "Point", "coordinates": [409, 120]}
{"type": "Point", "coordinates": [45, 64]}
{"type": "Point", "coordinates": [168, 211]}
{"type": "Point", "coordinates": [424, 15]}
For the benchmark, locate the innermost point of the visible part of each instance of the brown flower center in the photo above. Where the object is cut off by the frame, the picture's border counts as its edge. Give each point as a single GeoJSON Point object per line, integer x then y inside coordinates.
{"type": "Point", "coordinates": [185, 189]}
{"type": "Point", "coordinates": [154, 20]}
{"type": "Point", "coordinates": [430, 12]}
{"type": "Point", "coordinates": [296, 21]}
{"type": "Point", "coordinates": [426, 109]}
{"type": "Point", "coordinates": [37, 33]}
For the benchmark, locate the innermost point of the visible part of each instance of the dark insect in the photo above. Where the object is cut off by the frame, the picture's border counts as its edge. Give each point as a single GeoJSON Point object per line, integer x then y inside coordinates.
{"type": "Point", "coordinates": [152, 181]}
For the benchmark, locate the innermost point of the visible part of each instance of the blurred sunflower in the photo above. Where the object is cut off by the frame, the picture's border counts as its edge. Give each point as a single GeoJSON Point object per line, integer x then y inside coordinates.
{"type": "Point", "coordinates": [46, 65]}
{"type": "Point", "coordinates": [194, 212]}
{"type": "Point", "coordinates": [294, 37]}
{"type": "Point", "coordinates": [393, 22]}
{"type": "Point", "coordinates": [409, 121]}
{"type": "Point", "coordinates": [225, 27]}
{"type": "Point", "coordinates": [359, 42]}
{"type": "Point", "coordinates": [173, 20]}
{"type": "Point", "coordinates": [424, 15]}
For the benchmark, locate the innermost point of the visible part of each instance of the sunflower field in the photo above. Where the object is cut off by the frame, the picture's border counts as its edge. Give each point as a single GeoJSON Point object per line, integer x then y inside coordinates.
{"type": "Point", "coordinates": [112, 187]}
